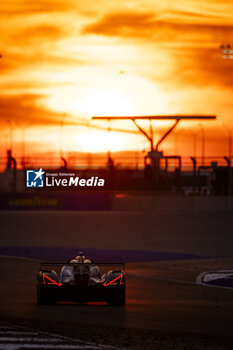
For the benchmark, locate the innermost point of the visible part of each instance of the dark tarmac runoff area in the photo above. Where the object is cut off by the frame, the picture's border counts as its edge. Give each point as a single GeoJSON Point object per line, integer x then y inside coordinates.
{"type": "Point", "coordinates": [160, 312]}
{"type": "Point", "coordinates": [165, 308]}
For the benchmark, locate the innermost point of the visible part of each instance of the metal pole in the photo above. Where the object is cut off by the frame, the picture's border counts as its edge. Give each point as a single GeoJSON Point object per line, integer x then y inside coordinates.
{"type": "Point", "coordinates": [109, 131]}
{"type": "Point", "coordinates": [10, 135]}
{"type": "Point", "coordinates": [23, 147]}
{"type": "Point", "coordinates": [136, 159]}
{"type": "Point", "coordinates": [175, 143]}
{"type": "Point", "coordinates": [229, 131]}
{"type": "Point", "coordinates": [194, 135]}
{"type": "Point", "coordinates": [229, 175]}
{"type": "Point", "coordinates": [194, 143]}
{"type": "Point", "coordinates": [151, 136]}
{"type": "Point", "coordinates": [230, 170]}
{"type": "Point", "coordinates": [61, 134]}
{"type": "Point", "coordinates": [203, 140]}
{"type": "Point", "coordinates": [193, 159]}
{"type": "Point", "coordinates": [230, 145]}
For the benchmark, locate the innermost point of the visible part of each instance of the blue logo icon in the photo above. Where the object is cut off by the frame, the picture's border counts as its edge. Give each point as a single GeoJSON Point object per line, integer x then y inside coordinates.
{"type": "Point", "coordinates": [35, 178]}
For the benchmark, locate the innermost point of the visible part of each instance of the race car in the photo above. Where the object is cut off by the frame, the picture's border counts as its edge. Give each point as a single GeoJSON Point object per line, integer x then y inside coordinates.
{"type": "Point", "coordinates": [80, 280]}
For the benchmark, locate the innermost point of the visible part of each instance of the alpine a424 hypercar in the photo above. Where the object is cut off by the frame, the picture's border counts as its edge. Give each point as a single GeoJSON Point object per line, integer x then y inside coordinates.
{"type": "Point", "coordinates": [80, 280]}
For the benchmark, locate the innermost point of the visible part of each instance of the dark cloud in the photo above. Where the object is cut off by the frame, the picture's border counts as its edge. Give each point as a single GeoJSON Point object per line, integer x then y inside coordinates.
{"type": "Point", "coordinates": [189, 15]}
{"type": "Point", "coordinates": [122, 24]}
{"type": "Point", "coordinates": [24, 109]}
{"type": "Point", "coordinates": [43, 33]}
{"type": "Point", "coordinates": [212, 69]}
{"type": "Point", "coordinates": [33, 59]}
{"type": "Point", "coordinates": [195, 67]}
{"type": "Point", "coordinates": [34, 38]}
{"type": "Point", "coordinates": [37, 45]}
{"type": "Point", "coordinates": [150, 26]}
{"type": "Point", "coordinates": [192, 46]}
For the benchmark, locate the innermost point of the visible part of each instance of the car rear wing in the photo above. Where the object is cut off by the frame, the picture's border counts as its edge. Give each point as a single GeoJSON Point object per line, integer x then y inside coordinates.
{"type": "Point", "coordinates": [44, 264]}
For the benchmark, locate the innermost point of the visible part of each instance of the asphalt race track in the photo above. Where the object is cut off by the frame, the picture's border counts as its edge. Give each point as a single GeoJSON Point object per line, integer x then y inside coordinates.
{"type": "Point", "coordinates": [165, 308]}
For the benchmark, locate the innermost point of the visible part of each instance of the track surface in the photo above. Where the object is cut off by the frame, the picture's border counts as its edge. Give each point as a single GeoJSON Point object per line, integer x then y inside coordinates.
{"type": "Point", "coordinates": [202, 234]}
{"type": "Point", "coordinates": [159, 314]}
{"type": "Point", "coordinates": [16, 338]}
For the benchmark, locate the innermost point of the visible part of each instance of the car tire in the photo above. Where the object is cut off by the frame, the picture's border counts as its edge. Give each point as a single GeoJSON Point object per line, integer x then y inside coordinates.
{"type": "Point", "coordinates": [117, 297]}
{"type": "Point", "coordinates": [43, 298]}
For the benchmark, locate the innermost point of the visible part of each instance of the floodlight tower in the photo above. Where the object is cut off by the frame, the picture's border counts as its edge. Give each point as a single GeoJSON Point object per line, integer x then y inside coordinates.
{"type": "Point", "coordinates": [227, 51]}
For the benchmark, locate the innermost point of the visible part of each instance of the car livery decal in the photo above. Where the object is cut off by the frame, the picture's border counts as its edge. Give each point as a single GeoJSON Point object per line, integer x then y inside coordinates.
{"type": "Point", "coordinates": [51, 281]}
{"type": "Point", "coordinates": [114, 281]}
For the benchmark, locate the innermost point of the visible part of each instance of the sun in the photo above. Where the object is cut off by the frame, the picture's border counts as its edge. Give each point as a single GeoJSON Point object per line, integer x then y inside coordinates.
{"type": "Point", "coordinates": [106, 102]}
{"type": "Point", "coordinates": [104, 94]}
{"type": "Point", "coordinates": [101, 141]}
{"type": "Point", "coordinates": [121, 95]}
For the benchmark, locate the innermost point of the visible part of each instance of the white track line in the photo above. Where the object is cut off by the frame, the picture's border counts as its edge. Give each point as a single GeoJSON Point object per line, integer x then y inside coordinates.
{"type": "Point", "coordinates": [48, 346]}
{"type": "Point", "coordinates": [29, 340]}
{"type": "Point", "coordinates": [199, 279]}
{"type": "Point", "coordinates": [17, 333]}
{"type": "Point", "coordinates": [47, 340]}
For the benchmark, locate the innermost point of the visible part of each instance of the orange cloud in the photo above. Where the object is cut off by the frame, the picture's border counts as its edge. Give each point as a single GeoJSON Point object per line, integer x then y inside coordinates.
{"type": "Point", "coordinates": [43, 32]}
{"type": "Point", "coordinates": [190, 39]}
{"type": "Point", "coordinates": [122, 24]}
{"type": "Point", "coordinates": [47, 45]}
{"type": "Point", "coordinates": [201, 67]}
{"type": "Point", "coordinates": [162, 27]}
{"type": "Point", "coordinates": [25, 109]}
{"type": "Point", "coordinates": [22, 7]}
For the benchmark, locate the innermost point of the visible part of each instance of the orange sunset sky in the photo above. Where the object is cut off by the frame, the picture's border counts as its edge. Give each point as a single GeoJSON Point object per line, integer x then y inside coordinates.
{"type": "Point", "coordinates": [65, 61]}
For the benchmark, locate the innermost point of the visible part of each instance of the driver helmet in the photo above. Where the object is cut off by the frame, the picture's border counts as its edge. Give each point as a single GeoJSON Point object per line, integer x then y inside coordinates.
{"type": "Point", "coordinates": [80, 258]}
